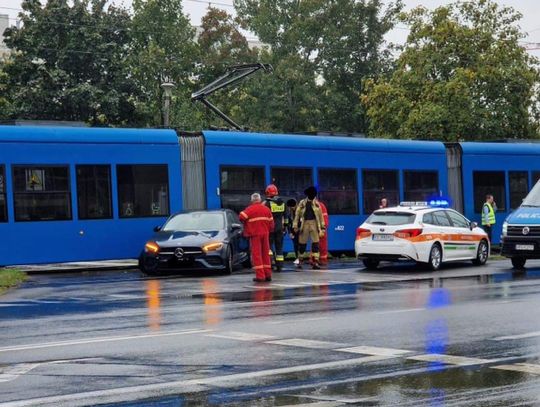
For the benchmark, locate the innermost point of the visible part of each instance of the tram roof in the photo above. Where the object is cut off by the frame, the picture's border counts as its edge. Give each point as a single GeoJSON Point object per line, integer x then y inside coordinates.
{"type": "Point", "coordinates": [86, 135]}
{"type": "Point", "coordinates": [291, 141]}
{"type": "Point", "coordinates": [487, 148]}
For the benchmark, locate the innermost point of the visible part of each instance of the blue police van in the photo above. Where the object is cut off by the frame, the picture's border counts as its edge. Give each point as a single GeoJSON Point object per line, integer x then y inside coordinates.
{"type": "Point", "coordinates": [521, 231]}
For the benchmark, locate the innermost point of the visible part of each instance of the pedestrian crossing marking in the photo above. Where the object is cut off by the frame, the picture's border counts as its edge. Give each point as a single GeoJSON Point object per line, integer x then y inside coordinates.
{"type": "Point", "coordinates": [306, 343]}
{"type": "Point", "coordinates": [522, 336]}
{"type": "Point", "coordinates": [375, 351]}
{"type": "Point", "coordinates": [449, 359]}
{"type": "Point", "coordinates": [520, 367]}
{"type": "Point", "coordinates": [242, 336]}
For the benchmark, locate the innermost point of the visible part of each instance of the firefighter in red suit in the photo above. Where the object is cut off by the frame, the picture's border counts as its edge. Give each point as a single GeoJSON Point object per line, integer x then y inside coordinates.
{"type": "Point", "coordinates": [323, 241]}
{"type": "Point", "coordinates": [258, 223]}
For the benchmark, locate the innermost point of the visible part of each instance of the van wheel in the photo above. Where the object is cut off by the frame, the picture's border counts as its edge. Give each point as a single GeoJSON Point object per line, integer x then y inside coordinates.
{"type": "Point", "coordinates": [482, 254]}
{"type": "Point", "coordinates": [435, 257]}
{"type": "Point", "coordinates": [518, 262]}
{"type": "Point", "coordinates": [371, 264]}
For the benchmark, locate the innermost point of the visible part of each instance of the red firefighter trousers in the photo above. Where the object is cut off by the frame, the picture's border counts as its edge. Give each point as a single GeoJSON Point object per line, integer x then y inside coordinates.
{"type": "Point", "coordinates": [260, 258]}
{"type": "Point", "coordinates": [323, 249]}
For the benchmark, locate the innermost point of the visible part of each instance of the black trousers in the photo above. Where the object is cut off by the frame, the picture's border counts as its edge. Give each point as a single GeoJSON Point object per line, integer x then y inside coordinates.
{"type": "Point", "coordinates": [488, 229]}
{"type": "Point", "coordinates": [276, 245]}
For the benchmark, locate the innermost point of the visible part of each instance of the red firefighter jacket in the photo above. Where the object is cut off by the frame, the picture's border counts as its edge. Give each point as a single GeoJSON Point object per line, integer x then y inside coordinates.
{"type": "Point", "coordinates": [257, 220]}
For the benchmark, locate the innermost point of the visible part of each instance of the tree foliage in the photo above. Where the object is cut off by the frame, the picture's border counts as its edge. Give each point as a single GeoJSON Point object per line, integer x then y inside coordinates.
{"type": "Point", "coordinates": [461, 76]}
{"type": "Point", "coordinates": [68, 63]}
{"type": "Point", "coordinates": [320, 51]}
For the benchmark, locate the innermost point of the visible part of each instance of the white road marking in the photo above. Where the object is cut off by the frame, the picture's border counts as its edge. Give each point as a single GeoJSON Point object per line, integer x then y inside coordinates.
{"type": "Point", "coordinates": [10, 373]}
{"type": "Point", "coordinates": [295, 285]}
{"type": "Point", "coordinates": [306, 343]}
{"type": "Point", "coordinates": [174, 387]}
{"type": "Point", "coordinates": [100, 340]}
{"type": "Point", "coordinates": [296, 321]}
{"type": "Point", "coordinates": [522, 336]}
{"type": "Point", "coordinates": [242, 336]}
{"type": "Point", "coordinates": [520, 367]}
{"type": "Point", "coordinates": [375, 351]}
{"type": "Point", "coordinates": [449, 359]}
{"type": "Point", "coordinates": [399, 311]}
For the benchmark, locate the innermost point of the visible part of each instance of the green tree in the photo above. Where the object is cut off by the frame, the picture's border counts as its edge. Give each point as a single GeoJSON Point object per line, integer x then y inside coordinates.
{"type": "Point", "coordinates": [68, 63]}
{"type": "Point", "coordinates": [461, 76]}
{"type": "Point", "coordinates": [321, 51]}
{"type": "Point", "coordinates": [163, 46]}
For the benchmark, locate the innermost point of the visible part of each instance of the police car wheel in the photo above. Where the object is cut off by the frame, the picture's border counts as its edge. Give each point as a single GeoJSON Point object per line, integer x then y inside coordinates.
{"type": "Point", "coordinates": [482, 254]}
{"type": "Point", "coordinates": [518, 262]}
{"type": "Point", "coordinates": [435, 257]}
{"type": "Point", "coordinates": [371, 264]}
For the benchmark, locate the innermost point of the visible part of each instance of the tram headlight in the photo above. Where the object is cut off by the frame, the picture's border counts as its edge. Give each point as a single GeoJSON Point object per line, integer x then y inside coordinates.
{"type": "Point", "coordinates": [505, 228]}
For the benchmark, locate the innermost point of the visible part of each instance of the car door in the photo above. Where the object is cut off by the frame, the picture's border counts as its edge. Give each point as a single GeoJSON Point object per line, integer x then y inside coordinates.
{"type": "Point", "coordinates": [445, 229]}
{"type": "Point", "coordinates": [463, 238]}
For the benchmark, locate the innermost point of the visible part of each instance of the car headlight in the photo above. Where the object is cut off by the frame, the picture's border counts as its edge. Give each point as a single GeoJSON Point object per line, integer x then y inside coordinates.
{"type": "Point", "coordinates": [151, 247]}
{"type": "Point", "coordinates": [212, 247]}
{"type": "Point", "coordinates": [505, 228]}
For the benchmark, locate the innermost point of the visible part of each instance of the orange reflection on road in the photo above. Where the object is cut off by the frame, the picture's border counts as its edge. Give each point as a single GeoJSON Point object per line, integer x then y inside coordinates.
{"type": "Point", "coordinates": [153, 301]}
{"type": "Point", "coordinates": [262, 302]}
{"type": "Point", "coordinates": [212, 303]}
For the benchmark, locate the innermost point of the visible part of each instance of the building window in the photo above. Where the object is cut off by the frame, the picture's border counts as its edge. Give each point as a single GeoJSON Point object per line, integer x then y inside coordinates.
{"type": "Point", "coordinates": [291, 182]}
{"type": "Point", "coordinates": [421, 185]}
{"type": "Point", "coordinates": [519, 187]}
{"type": "Point", "coordinates": [237, 185]}
{"type": "Point", "coordinates": [377, 185]}
{"type": "Point", "coordinates": [143, 190]}
{"type": "Point", "coordinates": [492, 183]}
{"type": "Point", "coordinates": [338, 191]}
{"type": "Point", "coordinates": [94, 191]}
{"type": "Point", "coordinates": [3, 201]}
{"type": "Point", "coordinates": [41, 193]}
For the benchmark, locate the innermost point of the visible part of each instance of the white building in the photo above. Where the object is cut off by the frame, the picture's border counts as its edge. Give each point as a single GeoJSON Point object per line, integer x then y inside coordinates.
{"type": "Point", "coordinates": [4, 23]}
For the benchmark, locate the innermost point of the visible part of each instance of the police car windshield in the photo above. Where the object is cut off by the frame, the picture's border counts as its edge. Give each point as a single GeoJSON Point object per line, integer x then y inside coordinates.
{"type": "Point", "coordinates": [390, 218]}
{"type": "Point", "coordinates": [196, 221]}
{"type": "Point", "coordinates": [533, 197]}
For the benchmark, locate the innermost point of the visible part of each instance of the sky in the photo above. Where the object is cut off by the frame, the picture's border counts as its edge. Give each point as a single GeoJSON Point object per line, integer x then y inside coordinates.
{"type": "Point", "coordinates": [530, 9]}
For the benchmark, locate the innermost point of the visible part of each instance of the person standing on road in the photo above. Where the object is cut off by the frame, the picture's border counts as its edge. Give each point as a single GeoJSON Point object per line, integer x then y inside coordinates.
{"type": "Point", "coordinates": [291, 205]}
{"type": "Point", "coordinates": [309, 221]}
{"type": "Point", "coordinates": [277, 207]}
{"type": "Point", "coordinates": [323, 241]}
{"type": "Point", "coordinates": [258, 223]}
{"type": "Point", "coordinates": [488, 215]}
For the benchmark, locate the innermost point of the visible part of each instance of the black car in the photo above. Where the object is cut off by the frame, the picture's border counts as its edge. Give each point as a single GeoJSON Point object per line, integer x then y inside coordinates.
{"type": "Point", "coordinates": [196, 240]}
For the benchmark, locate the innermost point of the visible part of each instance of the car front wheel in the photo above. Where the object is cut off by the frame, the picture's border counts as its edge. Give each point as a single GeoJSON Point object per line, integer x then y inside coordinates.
{"type": "Point", "coordinates": [518, 262]}
{"type": "Point", "coordinates": [229, 262]}
{"type": "Point", "coordinates": [482, 254]}
{"type": "Point", "coordinates": [435, 257]}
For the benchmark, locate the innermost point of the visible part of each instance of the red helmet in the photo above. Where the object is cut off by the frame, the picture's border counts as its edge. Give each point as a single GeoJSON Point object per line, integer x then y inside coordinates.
{"type": "Point", "coordinates": [271, 190]}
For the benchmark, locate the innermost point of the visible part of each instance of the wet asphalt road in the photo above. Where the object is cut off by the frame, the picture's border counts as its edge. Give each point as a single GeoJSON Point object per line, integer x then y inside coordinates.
{"type": "Point", "coordinates": [400, 336]}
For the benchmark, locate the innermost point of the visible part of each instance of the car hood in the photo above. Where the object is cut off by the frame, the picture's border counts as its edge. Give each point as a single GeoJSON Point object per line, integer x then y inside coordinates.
{"type": "Point", "coordinates": [180, 238]}
{"type": "Point", "coordinates": [524, 216]}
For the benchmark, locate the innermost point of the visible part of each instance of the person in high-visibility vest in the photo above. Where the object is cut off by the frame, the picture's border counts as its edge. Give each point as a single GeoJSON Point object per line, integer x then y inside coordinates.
{"type": "Point", "coordinates": [488, 215]}
{"type": "Point", "coordinates": [277, 207]}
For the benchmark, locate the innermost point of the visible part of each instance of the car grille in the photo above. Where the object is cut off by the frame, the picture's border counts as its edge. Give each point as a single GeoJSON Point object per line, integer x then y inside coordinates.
{"type": "Point", "coordinates": [534, 231]}
{"type": "Point", "coordinates": [188, 251]}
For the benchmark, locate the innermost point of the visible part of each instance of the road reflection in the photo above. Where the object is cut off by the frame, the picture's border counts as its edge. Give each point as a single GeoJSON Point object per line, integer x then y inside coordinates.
{"type": "Point", "coordinates": [153, 302]}
{"type": "Point", "coordinates": [212, 302]}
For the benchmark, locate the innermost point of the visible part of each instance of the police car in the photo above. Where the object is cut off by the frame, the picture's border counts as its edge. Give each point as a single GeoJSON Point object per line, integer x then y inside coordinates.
{"type": "Point", "coordinates": [429, 233]}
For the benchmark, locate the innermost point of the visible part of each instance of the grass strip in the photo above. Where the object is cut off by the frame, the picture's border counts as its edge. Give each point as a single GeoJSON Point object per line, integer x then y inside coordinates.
{"type": "Point", "coordinates": [10, 278]}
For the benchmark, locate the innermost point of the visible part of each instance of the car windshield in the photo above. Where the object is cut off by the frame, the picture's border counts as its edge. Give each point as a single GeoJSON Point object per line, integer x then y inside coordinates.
{"type": "Point", "coordinates": [533, 197]}
{"type": "Point", "coordinates": [196, 221]}
{"type": "Point", "coordinates": [391, 218]}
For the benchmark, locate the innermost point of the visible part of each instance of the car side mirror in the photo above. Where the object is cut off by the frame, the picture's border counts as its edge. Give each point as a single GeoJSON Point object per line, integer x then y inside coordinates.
{"type": "Point", "coordinates": [472, 225]}
{"type": "Point", "coordinates": [236, 226]}
{"type": "Point", "coordinates": [157, 228]}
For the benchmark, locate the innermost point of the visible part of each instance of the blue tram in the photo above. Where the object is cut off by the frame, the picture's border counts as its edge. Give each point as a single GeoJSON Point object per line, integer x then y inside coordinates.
{"type": "Point", "coordinates": [72, 194]}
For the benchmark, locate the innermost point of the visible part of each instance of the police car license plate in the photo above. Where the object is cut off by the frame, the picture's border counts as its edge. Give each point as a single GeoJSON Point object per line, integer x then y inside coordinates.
{"type": "Point", "coordinates": [524, 247]}
{"type": "Point", "coordinates": [383, 237]}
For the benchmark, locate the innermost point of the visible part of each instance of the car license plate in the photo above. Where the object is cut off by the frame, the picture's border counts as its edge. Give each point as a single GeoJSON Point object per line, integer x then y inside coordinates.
{"type": "Point", "coordinates": [524, 247]}
{"type": "Point", "coordinates": [380, 237]}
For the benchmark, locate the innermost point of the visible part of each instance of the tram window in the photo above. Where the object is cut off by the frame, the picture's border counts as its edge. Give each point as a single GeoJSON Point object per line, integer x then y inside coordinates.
{"type": "Point", "coordinates": [519, 187]}
{"type": "Point", "coordinates": [339, 191]}
{"type": "Point", "coordinates": [3, 205]}
{"type": "Point", "coordinates": [421, 185]}
{"type": "Point", "coordinates": [377, 185]}
{"type": "Point", "coordinates": [94, 191]}
{"type": "Point", "coordinates": [41, 193]}
{"type": "Point", "coordinates": [536, 177]}
{"type": "Point", "coordinates": [291, 182]}
{"type": "Point", "coordinates": [143, 190]}
{"type": "Point", "coordinates": [237, 185]}
{"type": "Point", "coordinates": [489, 182]}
